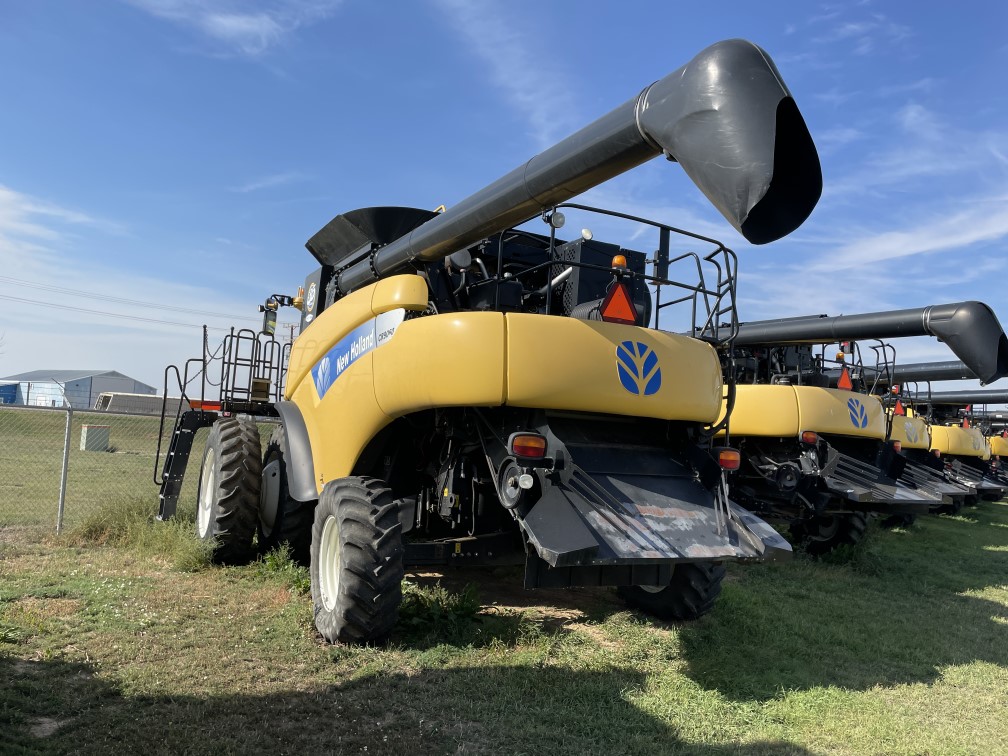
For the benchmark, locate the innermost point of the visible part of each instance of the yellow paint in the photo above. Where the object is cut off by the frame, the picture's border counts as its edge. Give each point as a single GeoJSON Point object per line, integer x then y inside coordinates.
{"type": "Point", "coordinates": [911, 432]}
{"type": "Point", "coordinates": [570, 364]}
{"type": "Point", "coordinates": [999, 446]}
{"type": "Point", "coordinates": [782, 411]}
{"type": "Point", "coordinates": [958, 442]}
{"type": "Point", "coordinates": [765, 411]}
{"type": "Point", "coordinates": [451, 360]}
{"type": "Point", "coordinates": [341, 424]}
{"type": "Point", "coordinates": [826, 411]}
{"type": "Point", "coordinates": [337, 320]}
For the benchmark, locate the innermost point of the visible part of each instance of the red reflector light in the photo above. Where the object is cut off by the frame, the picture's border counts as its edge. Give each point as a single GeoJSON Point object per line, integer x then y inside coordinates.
{"type": "Point", "coordinates": [897, 446]}
{"type": "Point", "coordinates": [845, 382]}
{"type": "Point", "coordinates": [729, 459]}
{"type": "Point", "coordinates": [618, 307]}
{"type": "Point", "coordinates": [810, 437]}
{"type": "Point", "coordinates": [528, 445]}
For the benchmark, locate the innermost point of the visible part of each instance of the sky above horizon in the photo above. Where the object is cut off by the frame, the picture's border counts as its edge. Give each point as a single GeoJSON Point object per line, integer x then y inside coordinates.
{"type": "Point", "coordinates": [162, 162]}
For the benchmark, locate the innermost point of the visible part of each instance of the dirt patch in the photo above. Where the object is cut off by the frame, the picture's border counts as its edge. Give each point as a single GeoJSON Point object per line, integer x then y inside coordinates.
{"type": "Point", "coordinates": [43, 727]}
{"type": "Point", "coordinates": [502, 589]}
{"type": "Point", "coordinates": [270, 598]}
{"type": "Point", "coordinates": [41, 609]}
{"type": "Point", "coordinates": [597, 635]}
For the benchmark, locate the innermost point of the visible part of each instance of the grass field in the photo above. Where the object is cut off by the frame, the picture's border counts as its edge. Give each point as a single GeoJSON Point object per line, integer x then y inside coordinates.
{"type": "Point", "coordinates": [118, 636]}
{"type": "Point", "coordinates": [31, 460]}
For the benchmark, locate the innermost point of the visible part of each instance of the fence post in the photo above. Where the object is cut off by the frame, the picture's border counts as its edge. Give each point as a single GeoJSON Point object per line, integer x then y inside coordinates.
{"type": "Point", "coordinates": [63, 475]}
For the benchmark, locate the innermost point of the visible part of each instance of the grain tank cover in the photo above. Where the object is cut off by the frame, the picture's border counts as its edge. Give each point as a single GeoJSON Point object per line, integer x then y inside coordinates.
{"type": "Point", "coordinates": [348, 233]}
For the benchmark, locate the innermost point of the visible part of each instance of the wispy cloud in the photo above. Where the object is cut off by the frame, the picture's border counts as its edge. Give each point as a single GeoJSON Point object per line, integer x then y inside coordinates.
{"type": "Point", "coordinates": [982, 219]}
{"type": "Point", "coordinates": [268, 182]}
{"type": "Point", "coordinates": [29, 217]}
{"type": "Point", "coordinates": [521, 71]}
{"type": "Point", "coordinates": [57, 258]}
{"type": "Point", "coordinates": [244, 28]}
{"type": "Point", "coordinates": [862, 35]}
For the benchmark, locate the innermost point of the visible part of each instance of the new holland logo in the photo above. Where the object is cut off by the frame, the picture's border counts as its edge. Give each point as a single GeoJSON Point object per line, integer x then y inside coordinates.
{"type": "Point", "coordinates": [637, 365]}
{"type": "Point", "coordinates": [858, 413]}
{"type": "Point", "coordinates": [911, 432]}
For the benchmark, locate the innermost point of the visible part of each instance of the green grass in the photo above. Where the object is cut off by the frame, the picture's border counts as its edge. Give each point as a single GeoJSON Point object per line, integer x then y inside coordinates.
{"type": "Point", "coordinates": [32, 459]}
{"type": "Point", "coordinates": [118, 636]}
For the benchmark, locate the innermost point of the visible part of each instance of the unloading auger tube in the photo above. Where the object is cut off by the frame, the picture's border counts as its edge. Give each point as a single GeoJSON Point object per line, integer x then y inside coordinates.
{"type": "Point", "coordinates": [997, 396]}
{"type": "Point", "coordinates": [949, 370]}
{"type": "Point", "coordinates": [726, 117]}
{"type": "Point", "coordinates": [970, 329]}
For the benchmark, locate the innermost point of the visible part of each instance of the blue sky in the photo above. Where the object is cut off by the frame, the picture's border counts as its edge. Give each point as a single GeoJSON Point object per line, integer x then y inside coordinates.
{"type": "Point", "coordinates": [167, 159]}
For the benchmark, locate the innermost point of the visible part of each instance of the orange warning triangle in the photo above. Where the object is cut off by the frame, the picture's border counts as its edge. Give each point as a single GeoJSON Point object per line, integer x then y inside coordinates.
{"type": "Point", "coordinates": [845, 382]}
{"type": "Point", "coordinates": [898, 409]}
{"type": "Point", "coordinates": [965, 422]}
{"type": "Point", "coordinates": [617, 307]}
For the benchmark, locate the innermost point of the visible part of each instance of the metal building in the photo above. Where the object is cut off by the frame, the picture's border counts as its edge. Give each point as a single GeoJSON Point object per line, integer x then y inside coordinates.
{"type": "Point", "coordinates": [54, 388]}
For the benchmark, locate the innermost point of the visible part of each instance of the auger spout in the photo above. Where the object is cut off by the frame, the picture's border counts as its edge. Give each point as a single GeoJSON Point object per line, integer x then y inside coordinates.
{"type": "Point", "coordinates": [726, 117]}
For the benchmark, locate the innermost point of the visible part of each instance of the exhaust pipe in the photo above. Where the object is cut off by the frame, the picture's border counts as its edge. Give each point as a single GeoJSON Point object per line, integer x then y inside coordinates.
{"type": "Point", "coordinates": [726, 117]}
{"type": "Point", "coordinates": [971, 330]}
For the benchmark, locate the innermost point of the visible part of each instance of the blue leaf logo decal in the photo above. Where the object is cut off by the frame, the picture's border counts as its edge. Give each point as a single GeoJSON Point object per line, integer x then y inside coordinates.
{"type": "Point", "coordinates": [858, 413]}
{"type": "Point", "coordinates": [637, 366]}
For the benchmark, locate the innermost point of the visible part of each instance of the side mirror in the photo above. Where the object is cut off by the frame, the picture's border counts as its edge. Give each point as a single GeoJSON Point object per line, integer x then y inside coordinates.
{"type": "Point", "coordinates": [269, 321]}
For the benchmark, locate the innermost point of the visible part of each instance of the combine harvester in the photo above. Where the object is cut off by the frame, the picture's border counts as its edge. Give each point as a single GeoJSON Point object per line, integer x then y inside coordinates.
{"type": "Point", "coordinates": [465, 391]}
{"type": "Point", "coordinates": [960, 442]}
{"type": "Point", "coordinates": [816, 443]}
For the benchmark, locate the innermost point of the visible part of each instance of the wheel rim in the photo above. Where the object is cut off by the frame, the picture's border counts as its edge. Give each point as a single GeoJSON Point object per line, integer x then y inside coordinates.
{"type": "Point", "coordinates": [206, 494]}
{"type": "Point", "coordinates": [828, 529]}
{"type": "Point", "coordinates": [652, 588]}
{"type": "Point", "coordinates": [329, 567]}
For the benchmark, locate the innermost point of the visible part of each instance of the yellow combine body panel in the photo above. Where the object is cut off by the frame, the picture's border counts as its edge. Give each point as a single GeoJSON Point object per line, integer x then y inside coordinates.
{"type": "Point", "coordinates": [958, 442]}
{"type": "Point", "coordinates": [911, 432]}
{"type": "Point", "coordinates": [782, 411]}
{"type": "Point", "coordinates": [999, 446]}
{"type": "Point", "coordinates": [570, 364]}
{"type": "Point", "coordinates": [361, 365]}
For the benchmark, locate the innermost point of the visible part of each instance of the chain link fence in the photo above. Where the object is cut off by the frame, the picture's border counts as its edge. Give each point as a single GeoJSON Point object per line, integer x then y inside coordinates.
{"type": "Point", "coordinates": [58, 465]}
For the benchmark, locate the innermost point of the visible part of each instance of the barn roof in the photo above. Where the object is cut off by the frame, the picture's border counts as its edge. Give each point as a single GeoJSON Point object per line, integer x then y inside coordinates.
{"type": "Point", "coordinates": [61, 376]}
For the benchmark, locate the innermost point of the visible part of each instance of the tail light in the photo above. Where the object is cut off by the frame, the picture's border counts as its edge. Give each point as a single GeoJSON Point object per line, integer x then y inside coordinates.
{"type": "Point", "coordinates": [810, 437]}
{"type": "Point", "coordinates": [729, 459]}
{"type": "Point", "coordinates": [897, 446]}
{"type": "Point", "coordinates": [527, 445]}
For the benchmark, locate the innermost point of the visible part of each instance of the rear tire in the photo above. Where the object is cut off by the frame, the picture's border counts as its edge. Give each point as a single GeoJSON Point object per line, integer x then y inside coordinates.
{"type": "Point", "coordinates": [689, 595]}
{"type": "Point", "coordinates": [356, 561]}
{"type": "Point", "coordinates": [292, 519]}
{"type": "Point", "coordinates": [820, 535]}
{"type": "Point", "coordinates": [228, 496]}
{"type": "Point", "coordinates": [899, 521]}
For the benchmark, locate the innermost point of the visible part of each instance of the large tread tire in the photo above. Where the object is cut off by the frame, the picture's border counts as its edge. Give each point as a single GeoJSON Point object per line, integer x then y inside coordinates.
{"type": "Point", "coordinates": [689, 595]}
{"type": "Point", "coordinates": [292, 522]}
{"type": "Point", "coordinates": [356, 561]}
{"type": "Point", "coordinates": [227, 503]}
{"type": "Point", "coordinates": [821, 535]}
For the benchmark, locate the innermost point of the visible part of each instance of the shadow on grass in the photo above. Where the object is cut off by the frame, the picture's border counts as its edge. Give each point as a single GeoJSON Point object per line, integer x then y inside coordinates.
{"type": "Point", "coordinates": [59, 707]}
{"type": "Point", "coordinates": [907, 606]}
